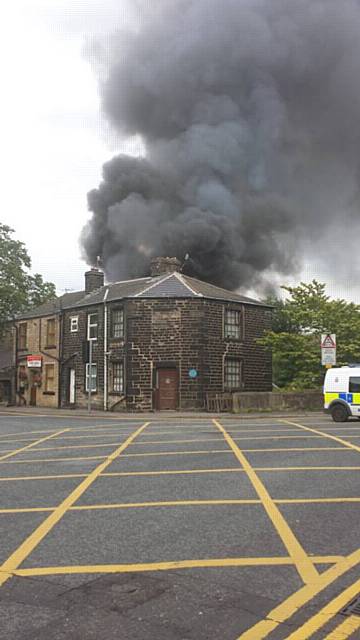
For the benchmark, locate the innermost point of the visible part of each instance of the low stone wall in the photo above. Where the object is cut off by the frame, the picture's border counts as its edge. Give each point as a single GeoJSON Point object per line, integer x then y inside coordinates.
{"type": "Point", "coordinates": [278, 401]}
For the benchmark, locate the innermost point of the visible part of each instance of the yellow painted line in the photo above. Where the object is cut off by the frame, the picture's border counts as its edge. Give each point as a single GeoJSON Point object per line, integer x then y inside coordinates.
{"type": "Point", "coordinates": [167, 566]}
{"type": "Point", "coordinates": [65, 475]}
{"type": "Point", "coordinates": [293, 603]}
{"type": "Point", "coordinates": [32, 460]}
{"type": "Point", "coordinates": [169, 503]}
{"type": "Point", "coordinates": [145, 443]}
{"type": "Point", "coordinates": [23, 433]}
{"type": "Point", "coordinates": [343, 449]}
{"type": "Point", "coordinates": [345, 629]}
{"type": "Point", "coordinates": [346, 443]}
{"type": "Point", "coordinates": [32, 444]}
{"type": "Point", "coordinates": [326, 613]}
{"type": "Point", "coordinates": [24, 550]}
{"type": "Point", "coordinates": [169, 473]}
{"type": "Point", "coordinates": [302, 561]}
{"type": "Point", "coordinates": [99, 436]}
{"type": "Point", "coordinates": [175, 453]}
{"type": "Point", "coordinates": [306, 468]}
{"type": "Point", "coordinates": [27, 510]}
{"type": "Point", "coordinates": [80, 446]}
{"type": "Point", "coordinates": [314, 500]}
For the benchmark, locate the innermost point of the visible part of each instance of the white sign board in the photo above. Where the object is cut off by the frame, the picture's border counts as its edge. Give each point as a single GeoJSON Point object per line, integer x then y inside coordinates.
{"type": "Point", "coordinates": [328, 349]}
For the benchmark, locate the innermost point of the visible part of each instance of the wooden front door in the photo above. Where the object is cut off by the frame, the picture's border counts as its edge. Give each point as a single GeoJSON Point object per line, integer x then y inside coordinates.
{"type": "Point", "coordinates": [168, 389]}
{"type": "Point", "coordinates": [33, 396]}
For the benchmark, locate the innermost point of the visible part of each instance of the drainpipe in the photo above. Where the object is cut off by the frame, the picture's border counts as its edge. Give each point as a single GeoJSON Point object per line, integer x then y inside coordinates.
{"type": "Point", "coordinates": [105, 351]}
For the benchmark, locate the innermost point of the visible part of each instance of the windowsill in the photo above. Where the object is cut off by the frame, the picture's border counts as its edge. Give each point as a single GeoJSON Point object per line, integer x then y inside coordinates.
{"type": "Point", "coordinates": [48, 393]}
{"type": "Point", "coordinates": [229, 339]}
{"type": "Point", "coordinates": [50, 346]}
{"type": "Point", "coordinates": [116, 393]}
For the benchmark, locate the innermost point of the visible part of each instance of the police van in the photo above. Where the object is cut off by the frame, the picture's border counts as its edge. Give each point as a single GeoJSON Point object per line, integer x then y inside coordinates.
{"type": "Point", "coordinates": [342, 392]}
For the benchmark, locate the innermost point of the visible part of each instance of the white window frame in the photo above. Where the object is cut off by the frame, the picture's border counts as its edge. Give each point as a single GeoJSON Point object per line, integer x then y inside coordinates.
{"type": "Point", "coordinates": [117, 310]}
{"type": "Point", "coordinates": [93, 377]}
{"type": "Point", "coordinates": [238, 364]}
{"type": "Point", "coordinates": [233, 330]}
{"type": "Point", "coordinates": [90, 325]}
{"type": "Point", "coordinates": [74, 324]}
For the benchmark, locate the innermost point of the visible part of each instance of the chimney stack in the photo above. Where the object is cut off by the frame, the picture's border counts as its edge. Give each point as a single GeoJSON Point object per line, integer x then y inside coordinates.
{"type": "Point", "coordinates": [159, 266]}
{"type": "Point", "coordinates": [94, 279]}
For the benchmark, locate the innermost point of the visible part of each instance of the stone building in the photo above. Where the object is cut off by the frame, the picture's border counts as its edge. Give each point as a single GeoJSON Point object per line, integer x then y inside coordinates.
{"type": "Point", "coordinates": [161, 342]}
{"type": "Point", "coordinates": [7, 366]}
{"type": "Point", "coordinates": [37, 352]}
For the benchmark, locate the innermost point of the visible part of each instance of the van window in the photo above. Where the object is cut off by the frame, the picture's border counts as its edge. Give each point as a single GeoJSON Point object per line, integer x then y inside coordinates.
{"type": "Point", "coordinates": [354, 385]}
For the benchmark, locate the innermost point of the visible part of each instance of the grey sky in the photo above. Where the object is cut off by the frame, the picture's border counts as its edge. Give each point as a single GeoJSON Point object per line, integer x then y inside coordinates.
{"type": "Point", "coordinates": [55, 140]}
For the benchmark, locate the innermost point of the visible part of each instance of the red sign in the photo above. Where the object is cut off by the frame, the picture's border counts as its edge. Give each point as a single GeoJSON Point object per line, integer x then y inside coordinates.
{"type": "Point", "coordinates": [35, 362]}
{"type": "Point", "coordinates": [328, 341]}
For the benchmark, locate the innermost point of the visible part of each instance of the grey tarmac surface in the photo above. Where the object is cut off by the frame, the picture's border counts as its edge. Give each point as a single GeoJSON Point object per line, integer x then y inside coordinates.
{"type": "Point", "coordinates": [189, 533]}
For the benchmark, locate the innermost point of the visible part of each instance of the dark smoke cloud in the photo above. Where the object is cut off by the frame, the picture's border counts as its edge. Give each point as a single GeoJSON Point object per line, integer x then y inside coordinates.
{"type": "Point", "coordinates": [249, 112]}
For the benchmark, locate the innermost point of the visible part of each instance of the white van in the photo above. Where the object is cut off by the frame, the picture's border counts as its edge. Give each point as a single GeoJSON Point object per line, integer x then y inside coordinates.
{"type": "Point", "coordinates": [342, 392]}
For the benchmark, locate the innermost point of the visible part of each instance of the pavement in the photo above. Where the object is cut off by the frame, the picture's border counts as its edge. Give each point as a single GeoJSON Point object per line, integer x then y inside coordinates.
{"type": "Point", "coordinates": [178, 527]}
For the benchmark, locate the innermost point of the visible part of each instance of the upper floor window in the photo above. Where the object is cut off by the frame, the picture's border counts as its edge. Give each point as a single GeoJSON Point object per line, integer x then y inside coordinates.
{"type": "Point", "coordinates": [50, 333]}
{"type": "Point", "coordinates": [117, 323]}
{"type": "Point", "coordinates": [233, 374]}
{"type": "Point", "coordinates": [232, 324]}
{"type": "Point", "coordinates": [74, 324]}
{"type": "Point", "coordinates": [22, 335]}
{"type": "Point", "coordinates": [92, 332]}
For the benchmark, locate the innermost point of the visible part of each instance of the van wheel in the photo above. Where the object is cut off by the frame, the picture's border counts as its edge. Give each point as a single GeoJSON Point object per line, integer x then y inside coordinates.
{"type": "Point", "coordinates": [339, 413]}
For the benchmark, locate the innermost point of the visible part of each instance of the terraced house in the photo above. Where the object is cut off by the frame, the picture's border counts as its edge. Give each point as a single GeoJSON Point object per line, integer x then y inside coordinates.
{"type": "Point", "coordinates": [161, 342]}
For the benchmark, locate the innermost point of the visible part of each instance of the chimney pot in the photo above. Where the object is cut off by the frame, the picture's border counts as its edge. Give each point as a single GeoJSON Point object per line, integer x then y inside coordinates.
{"type": "Point", "coordinates": [161, 265]}
{"type": "Point", "coordinates": [94, 279]}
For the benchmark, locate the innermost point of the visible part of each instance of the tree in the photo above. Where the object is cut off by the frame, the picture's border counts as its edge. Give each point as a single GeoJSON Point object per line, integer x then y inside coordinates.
{"type": "Point", "coordinates": [298, 323]}
{"type": "Point", "coordinates": [19, 289]}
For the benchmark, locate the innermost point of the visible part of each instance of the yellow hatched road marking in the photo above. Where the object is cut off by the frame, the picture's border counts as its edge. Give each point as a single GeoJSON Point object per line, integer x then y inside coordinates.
{"type": "Point", "coordinates": [32, 460]}
{"type": "Point", "coordinates": [51, 477]}
{"type": "Point", "coordinates": [167, 566]}
{"type": "Point", "coordinates": [181, 503]}
{"type": "Point", "coordinates": [325, 614]}
{"type": "Point", "coordinates": [22, 552]}
{"type": "Point", "coordinates": [346, 443]}
{"type": "Point", "coordinates": [32, 444]}
{"type": "Point", "coordinates": [345, 629]}
{"type": "Point", "coordinates": [80, 446]}
{"type": "Point", "coordinates": [302, 561]}
{"type": "Point", "coordinates": [293, 603]}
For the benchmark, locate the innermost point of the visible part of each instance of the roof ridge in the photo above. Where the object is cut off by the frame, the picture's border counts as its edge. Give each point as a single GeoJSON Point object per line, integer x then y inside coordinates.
{"type": "Point", "coordinates": [158, 281]}
{"type": "Point", "coordinates": [180, 277]}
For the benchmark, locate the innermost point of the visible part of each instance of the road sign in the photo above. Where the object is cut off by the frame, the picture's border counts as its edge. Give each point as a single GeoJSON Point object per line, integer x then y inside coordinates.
{"type": "Point", "coordinates": [328, 349]}
{"type": "Point", "coordinates": [34, 362]}
{"type": "Point", "coordinates": [328, 340]}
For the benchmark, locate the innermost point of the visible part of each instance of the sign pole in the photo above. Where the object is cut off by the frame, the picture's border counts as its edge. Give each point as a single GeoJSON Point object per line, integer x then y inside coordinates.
{"type": "Point", "coordinates": [90, 377]}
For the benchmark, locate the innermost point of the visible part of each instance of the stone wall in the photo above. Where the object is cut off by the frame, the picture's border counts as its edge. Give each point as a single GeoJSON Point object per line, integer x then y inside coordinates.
{"type": "Point", "coordinates": [278, 401]}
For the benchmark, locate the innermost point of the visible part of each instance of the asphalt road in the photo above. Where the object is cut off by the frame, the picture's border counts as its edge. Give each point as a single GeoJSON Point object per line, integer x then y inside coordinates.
{"type": "Point", "coordinates": [179, 528]}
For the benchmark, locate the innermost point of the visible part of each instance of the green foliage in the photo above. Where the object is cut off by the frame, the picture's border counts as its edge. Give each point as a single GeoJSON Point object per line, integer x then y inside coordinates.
{"type": "Point", "coordinates": [19, 290]}
{"type": "Point", "coordinates": [298, 322]}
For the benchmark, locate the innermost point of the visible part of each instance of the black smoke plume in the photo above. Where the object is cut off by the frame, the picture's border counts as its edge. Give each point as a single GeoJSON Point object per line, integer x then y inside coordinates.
{"type": "Point", "coordinates": [249, 114]}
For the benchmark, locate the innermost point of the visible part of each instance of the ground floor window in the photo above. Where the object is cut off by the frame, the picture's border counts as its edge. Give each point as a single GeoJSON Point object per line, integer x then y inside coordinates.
{"type": "Point", "coordinates": [233, 373]}
{"type": "Point", "coordinates": [91, 380]}
{"type": "Point", "coordinates": [117, 377]}
{"type": "Point", "coordinates": [50, 378]}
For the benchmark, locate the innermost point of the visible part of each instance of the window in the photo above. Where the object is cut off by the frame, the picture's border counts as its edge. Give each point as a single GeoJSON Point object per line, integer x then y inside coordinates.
{"type": "Point", "coordinates": [49, 378]}
{"type": "Point", "coordinates": [117, 377]}
{"type": "Point", "coordinates": [117, 323]}
{"type": "Point", "coordinates": [22, 335]}
{"type": "Point", "coordinates": [93, 381]}
{"type": "Point", "coordinates": [232, 326]}
{"type": "Point", "coordinates": [354, 385]}
{"type": "Point", "coordinates": [233, 371]}
{"type": "Point", "coordinates": [74, 324]}
{"type": "Point", "coordinates": [50, 333]}
{"type": "Point", "coordinates": [92, 333]}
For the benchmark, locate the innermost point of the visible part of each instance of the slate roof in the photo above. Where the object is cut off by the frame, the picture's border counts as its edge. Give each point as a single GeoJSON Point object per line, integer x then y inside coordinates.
{"type": "Point", "coordinates": [51, 307]}
{"type": "Point", "coordinates": [169, 285]}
